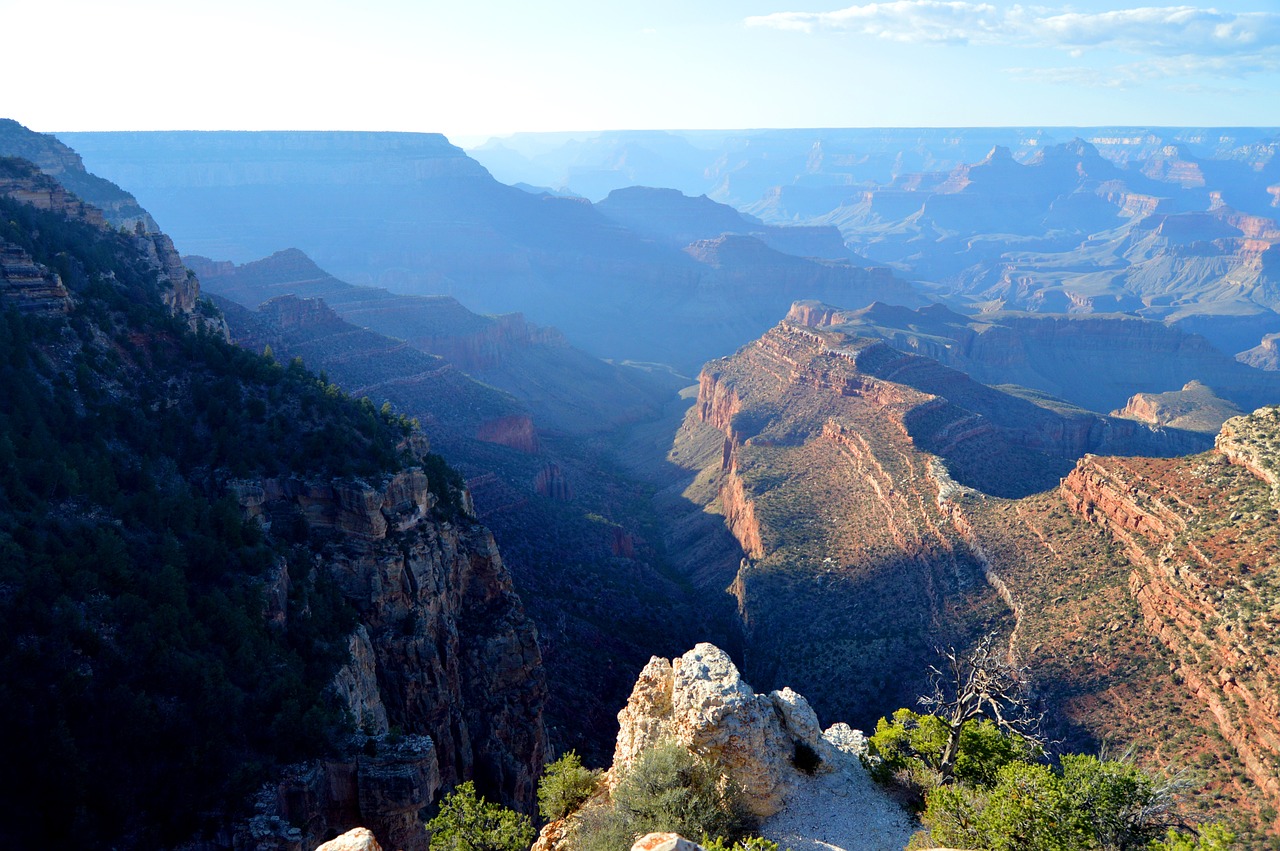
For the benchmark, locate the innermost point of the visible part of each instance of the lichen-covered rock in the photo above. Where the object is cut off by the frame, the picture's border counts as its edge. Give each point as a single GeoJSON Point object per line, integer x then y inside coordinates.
{"type": "Point", "coordinates": [356, 839]}
{"type": "Point", "coordinates": [701, 701]}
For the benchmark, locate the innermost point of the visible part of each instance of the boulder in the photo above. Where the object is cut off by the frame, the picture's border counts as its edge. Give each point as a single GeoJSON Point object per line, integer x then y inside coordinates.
{"type": "Point", "coordinates": [356, 839]}
{"type": "Point", "coordinates": [664, 842]}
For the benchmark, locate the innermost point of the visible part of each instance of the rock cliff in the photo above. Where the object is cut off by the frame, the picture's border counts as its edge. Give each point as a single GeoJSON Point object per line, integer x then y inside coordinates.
{"type": "Point", "coordinates": [64, 165]}
{"type": "Point", "coordinates": [847, 477]}
{"type": "Point", "coordinates": [1195, 408]}
{"type": "Point", "coordinates": [30, 286]}
{"type": "Point", "coordinates": [808, 787]}
{"type": "Point", "coordinates": [1145, 602]}
{"type": "Point", "coordinates": [22, 182]}
{"type": "Point", "coordinates": [443, 652]}
{"type": "Point", "coordinates": [1097, 362]}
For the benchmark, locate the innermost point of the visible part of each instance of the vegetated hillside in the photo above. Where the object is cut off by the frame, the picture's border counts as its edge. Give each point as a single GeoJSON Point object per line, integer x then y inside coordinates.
{"type": "Point", "coordinates": [1096, 361]}
{"type": "Point", "coordinates": [832, 453]}
{"type": "Point", "coordinates": [215, 565]}
{"type": "Point", "coordinates": [582, 541]}
{"type": "Point", "coordinates": [412, 213]}
{"type": "Point", "coordinates": [1147, 601]}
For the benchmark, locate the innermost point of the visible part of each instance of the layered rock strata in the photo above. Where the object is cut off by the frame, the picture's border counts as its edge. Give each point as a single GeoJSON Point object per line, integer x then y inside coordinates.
{"type": "Point", "coordinates": [31, 287]}
{"type": "Point", "coordinates": [443, 652]}
{"type": "Point", "coordinates": [1146, 603]}
{"type": "Point", "coordinates": [836, 453]}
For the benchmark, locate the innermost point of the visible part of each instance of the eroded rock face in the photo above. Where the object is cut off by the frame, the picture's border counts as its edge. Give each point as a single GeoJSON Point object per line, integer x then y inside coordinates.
{"type": "Point", "coordinates": [700, 701]}
{"type": "Point", "coordinates": [352, 507]}
{"type": "Point", "coordinates": [444, 652]}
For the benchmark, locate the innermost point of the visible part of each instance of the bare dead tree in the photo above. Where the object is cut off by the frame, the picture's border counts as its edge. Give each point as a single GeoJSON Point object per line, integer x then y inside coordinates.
{"type": "Point", "coordinates": [980, 684]}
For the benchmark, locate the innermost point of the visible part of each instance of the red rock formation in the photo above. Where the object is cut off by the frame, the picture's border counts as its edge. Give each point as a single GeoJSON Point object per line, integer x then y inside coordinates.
{"type": "Point", "coordinates": [1190, 580]}
{"type": "Point", "coordinates": [515, 431]}
{"type": "Point", "coordinates": [551, 483]}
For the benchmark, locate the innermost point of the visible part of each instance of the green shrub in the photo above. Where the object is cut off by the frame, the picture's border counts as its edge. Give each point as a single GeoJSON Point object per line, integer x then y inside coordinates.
{"type": "Point", "coordinates": [565, 785]}
{"type": "Point", "coordinates": [907, 753]}
{"type": "Point", "coordinates": [1088, 803]}
{"type": "Point", "coordinates": [1214, 837]}
{"type": "Point", "coordinates": [467, 822]}
{"type": "Point", "coordinates": [749, 843]}
{"type": "Point", "coordinates": [667, 790]}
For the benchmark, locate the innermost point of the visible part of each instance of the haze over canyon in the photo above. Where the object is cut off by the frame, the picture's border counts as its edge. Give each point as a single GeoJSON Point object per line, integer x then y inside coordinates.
{"type": "Point", "coordinates": [342, 468]}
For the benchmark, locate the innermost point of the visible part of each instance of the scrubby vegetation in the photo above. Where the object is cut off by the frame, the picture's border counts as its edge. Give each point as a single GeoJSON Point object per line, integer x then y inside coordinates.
{"type": "Point", "coordinates": [467, 822]}
{"type": "Point", "coordinates": [1004, 797]}
{"type": "Point", "coordinates": [143, 691]}
{"type": "Point", "coordinates": [668, 789]}
{"type": "Point", "coordinates": [565, 786]}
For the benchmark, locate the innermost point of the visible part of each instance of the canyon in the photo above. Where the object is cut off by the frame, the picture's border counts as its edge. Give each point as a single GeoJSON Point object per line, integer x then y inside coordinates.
{"type": "Point", "coordinates": [1137, 591]}
{"type": "Point", "coordinates": [850, 490]}
{"type": "Point", "coordinates": [440, 674]}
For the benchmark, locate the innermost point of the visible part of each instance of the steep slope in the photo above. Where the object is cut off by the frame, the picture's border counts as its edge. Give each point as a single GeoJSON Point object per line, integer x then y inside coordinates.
{"type": "Point", "coordinates": [835, 455]}
{"type": "Point", "coordinates": [576, 529]}
{"type": "Point", "coordinates": [65, 166]}
{"type": "Point", "coordinates": [563, 387]}
{"type": "Point", "coordinates": [860, 484]}
{"type": "Point", "coordinates": [1096, 361]}
{"type": "Point", "coordinates": [1145, 593]}
{"type": "Point", "coordinates": [213, 562]}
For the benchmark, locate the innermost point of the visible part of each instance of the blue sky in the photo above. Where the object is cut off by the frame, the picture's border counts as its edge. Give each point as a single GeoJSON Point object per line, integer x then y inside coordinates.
{"type": "Point", "coordinates": [470, 69]}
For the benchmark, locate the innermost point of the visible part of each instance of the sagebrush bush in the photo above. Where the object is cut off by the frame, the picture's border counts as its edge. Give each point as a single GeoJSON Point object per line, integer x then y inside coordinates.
{"type": "Point", "coordinates": [668, 790]}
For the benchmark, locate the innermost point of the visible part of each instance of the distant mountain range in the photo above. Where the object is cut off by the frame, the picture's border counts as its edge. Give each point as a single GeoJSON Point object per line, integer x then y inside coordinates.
{"type": "Point", "coordinates": [414, 214]}
{"type": "Point", "coordinates": [1175, 224]}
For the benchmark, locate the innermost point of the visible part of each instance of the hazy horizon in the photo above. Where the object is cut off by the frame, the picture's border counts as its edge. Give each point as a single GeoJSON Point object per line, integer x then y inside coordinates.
{"type": "Point", "coordinates": [472, 72]}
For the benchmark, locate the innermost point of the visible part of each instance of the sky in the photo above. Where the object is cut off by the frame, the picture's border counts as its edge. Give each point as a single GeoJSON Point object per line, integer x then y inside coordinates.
{"type": "Point", "coordinates": [471, 69]}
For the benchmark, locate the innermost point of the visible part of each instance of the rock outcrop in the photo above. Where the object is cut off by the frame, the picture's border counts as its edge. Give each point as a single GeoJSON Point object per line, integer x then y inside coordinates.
{"type": "Point", "coordinates": [665, 842]}
{"type": "Point", "coordinates": [700, 701]}
{"type": "Point", "coordinates": [356, 839]}
{"type": "Point", "coordinates": [29, 286]}
{"type": "Point", "coordinates": [21, 181]}
{"type": "Point", "coordinates": [1196, 407]}
{"type": "Point", "coordinates": [444, 652]}
{"type": "Point", "coordinates": [807, 786]}
{"type": "Point", "coordinates": [1094, 361]}
{"type": "Point", "coordinates": [387, 785]}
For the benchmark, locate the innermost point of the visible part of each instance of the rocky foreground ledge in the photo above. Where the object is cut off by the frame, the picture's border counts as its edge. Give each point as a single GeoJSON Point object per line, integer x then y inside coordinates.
{"type": "Point", "coordinates": [701, 702]}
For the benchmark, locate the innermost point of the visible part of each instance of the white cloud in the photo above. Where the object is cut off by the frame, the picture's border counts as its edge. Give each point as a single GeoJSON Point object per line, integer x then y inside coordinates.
{"type": "Point", "coordinates": [899, 20]}
{"type": "Point", "coordinates": [1151, 31]}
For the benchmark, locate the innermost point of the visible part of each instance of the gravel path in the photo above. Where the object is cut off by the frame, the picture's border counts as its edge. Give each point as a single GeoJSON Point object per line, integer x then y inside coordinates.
{"type": "Point", "coordinates": [840, 810]}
